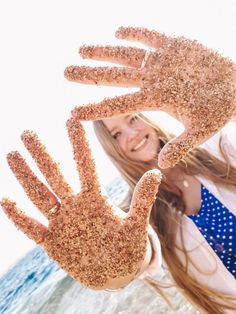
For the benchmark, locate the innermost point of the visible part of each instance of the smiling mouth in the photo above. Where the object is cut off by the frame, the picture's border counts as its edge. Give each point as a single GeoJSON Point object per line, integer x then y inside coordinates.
{"type": "Point", "coordinates": [140, 144]}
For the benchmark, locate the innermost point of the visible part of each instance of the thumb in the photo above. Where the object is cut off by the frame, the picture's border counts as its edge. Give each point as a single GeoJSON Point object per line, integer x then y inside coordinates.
{"type": "Point", "coordinates": [177, 148]}
{"type": "Point", "coordinates": [144, 196]}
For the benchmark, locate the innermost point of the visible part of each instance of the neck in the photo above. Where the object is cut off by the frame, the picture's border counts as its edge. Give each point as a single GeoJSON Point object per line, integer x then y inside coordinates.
{"type": "Point", "coordinates": [177, 176]}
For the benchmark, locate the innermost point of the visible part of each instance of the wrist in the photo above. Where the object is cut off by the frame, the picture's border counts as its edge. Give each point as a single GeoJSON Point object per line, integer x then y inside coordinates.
{"type": "Point", "coordinates": [155, 263]}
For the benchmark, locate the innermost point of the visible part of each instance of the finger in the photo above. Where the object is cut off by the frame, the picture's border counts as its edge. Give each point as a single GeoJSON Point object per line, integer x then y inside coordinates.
{"type": "Point", "coordinates": [32, 228]}
{"type": "Point", "coordinates": [177, 148]}
{"type": "Point", "coordinates": [115, 76]}
{"type": "Point", "coordinates": [82, 155]}
{"type": "Point", "coordinates": [130, 103]}
{"type": "Point", "coordinates": [143, 198]}
{"type": "Point", "coordinates": [143, 35]}
{"type": "Point", "coordinates": [39, 194]}
{"type": "Point", "coordinates": [127, 56]}
{"type": "Point", "coordinates": [46, 164]}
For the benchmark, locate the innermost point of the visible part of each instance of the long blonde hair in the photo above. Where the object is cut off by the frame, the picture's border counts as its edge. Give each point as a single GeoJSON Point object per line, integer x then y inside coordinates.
{"type": "Point", "coordinates": [165, 219]}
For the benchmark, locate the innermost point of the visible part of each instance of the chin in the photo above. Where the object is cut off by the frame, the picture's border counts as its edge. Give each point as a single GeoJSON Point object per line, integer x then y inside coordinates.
{"type": "Point", "coordinates": [149, 158]}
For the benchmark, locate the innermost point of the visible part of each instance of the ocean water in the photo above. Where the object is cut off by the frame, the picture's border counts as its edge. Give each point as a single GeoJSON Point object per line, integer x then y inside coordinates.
{"type": "Point", "coordinates": [36, 285]}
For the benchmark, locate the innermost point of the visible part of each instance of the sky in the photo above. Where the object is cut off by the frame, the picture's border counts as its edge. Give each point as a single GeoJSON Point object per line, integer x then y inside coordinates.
{"type": "Point", "coordinates": [39, 39]}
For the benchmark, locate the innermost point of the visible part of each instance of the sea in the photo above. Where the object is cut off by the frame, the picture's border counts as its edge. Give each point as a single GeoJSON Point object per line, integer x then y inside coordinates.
{"type": "Point", "coordinates": [35, 284]}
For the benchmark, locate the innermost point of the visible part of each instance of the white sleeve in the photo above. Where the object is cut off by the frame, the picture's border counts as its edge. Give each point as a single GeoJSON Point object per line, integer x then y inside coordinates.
{"type": "Point", "coordinates": [228, 136]}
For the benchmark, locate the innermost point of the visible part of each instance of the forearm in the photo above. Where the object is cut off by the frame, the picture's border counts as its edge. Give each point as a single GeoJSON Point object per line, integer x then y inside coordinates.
{"type": "Point", "coordinates": [154, 266]}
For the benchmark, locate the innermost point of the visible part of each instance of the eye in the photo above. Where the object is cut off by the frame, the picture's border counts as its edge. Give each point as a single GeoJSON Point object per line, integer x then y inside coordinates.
{"type": "Point", "coordinates": [133, 119]}
{"type": "Point", "coordinates": [116, 135]}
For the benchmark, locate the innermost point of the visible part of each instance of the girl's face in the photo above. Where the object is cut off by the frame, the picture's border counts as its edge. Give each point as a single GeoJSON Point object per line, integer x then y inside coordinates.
{"type": "Point", "coordinates": [137, 139]}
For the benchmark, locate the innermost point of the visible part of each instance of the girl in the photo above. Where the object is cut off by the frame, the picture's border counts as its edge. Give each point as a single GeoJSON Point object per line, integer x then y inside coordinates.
{"type": "Point", "coordinates": [194, 213]}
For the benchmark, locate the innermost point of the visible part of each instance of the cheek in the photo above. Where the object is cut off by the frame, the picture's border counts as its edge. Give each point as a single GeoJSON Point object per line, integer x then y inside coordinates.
{"type": "Point", "coordinates": [121, 144]}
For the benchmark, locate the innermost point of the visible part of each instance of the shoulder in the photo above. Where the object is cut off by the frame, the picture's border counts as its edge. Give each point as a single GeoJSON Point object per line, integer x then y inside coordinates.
{"type": "Point", "coordinates": [230, 131]}
{"type": "Point", "coordinates": [225, 139]}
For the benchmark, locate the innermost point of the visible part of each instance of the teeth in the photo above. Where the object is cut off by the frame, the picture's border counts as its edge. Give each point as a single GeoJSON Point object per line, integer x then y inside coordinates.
{"type": "Point", "coordinates": [140, 144]}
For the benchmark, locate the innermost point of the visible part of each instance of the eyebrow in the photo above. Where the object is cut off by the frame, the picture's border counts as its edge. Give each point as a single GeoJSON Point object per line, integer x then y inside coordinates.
{"type": "Point", "coordinates": [113, 129]}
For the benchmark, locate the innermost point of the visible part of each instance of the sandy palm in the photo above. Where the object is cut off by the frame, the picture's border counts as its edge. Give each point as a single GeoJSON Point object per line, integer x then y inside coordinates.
{"type": "Point", "coordinates": [179, 76]}
{"type": "Point", "coordinates": [84, 236]}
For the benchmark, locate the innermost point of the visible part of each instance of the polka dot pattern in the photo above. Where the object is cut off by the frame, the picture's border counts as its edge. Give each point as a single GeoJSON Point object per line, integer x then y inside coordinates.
{"type": "Point", "coordinates": [218, 226]}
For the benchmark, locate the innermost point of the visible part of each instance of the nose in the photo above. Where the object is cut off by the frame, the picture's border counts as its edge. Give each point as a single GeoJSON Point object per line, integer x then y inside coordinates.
{"type": "Point", "coordinates": [131, 134]}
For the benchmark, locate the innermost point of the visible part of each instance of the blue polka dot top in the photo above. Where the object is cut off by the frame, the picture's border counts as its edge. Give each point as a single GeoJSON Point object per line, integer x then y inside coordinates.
{"type": "Point", "coordinates": [218, 225]}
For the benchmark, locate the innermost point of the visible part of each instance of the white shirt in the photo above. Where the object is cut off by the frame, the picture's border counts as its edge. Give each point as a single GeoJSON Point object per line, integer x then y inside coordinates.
{"type": "Point", "coordinates": [200, 251]}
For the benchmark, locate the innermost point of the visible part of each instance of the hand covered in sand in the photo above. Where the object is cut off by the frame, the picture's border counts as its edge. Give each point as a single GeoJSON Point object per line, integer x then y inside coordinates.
{"type": "Point", "coordinates": [84, 234]}
{"type": "Point", "coordinates": [181, 77]}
